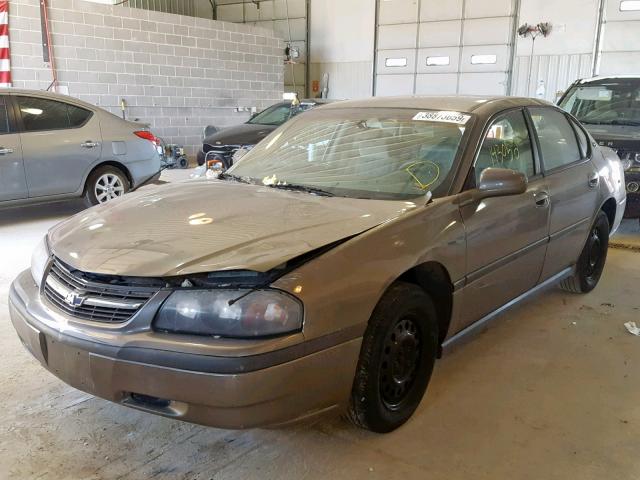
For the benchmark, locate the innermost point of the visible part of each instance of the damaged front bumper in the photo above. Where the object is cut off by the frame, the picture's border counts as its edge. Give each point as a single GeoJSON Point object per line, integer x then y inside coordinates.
{"type": "Point", "coordinates": [272, 387]}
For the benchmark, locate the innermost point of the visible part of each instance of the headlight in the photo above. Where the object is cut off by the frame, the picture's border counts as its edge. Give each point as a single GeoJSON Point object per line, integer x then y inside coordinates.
{"type": "Point", "coordinates": [261, 313]}
{"type": "Point", "coordinates": [39, 260]}
{"type": "Point", "coordinates": [241, 152]}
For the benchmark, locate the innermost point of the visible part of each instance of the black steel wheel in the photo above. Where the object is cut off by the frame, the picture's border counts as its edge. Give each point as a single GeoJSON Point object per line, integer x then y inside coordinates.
{"type": "Point", "coordinates": [398, 353]}
{"type": "Point", "coordinates": [400, 362]}
{"type": "Point", "coordinates": [591, 263]}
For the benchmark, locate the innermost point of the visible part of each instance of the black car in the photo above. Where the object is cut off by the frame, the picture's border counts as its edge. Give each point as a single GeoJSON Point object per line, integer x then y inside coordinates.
{"type": "Point", "coordinates": [609, 107]}
{"type": "Point", "coordinates": [223, 144]}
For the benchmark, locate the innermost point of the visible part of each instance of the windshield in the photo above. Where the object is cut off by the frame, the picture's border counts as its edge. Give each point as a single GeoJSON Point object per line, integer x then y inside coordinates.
{"type": "Point", "coordinates": [613, 103]}
{"type": "Point", "coordinates": [362, 153]}
{"type": "Point", "coordinates": [278, 114]}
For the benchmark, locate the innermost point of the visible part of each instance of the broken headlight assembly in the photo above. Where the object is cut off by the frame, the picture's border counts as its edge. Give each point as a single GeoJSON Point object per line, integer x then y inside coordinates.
{"type": "Point", "coordinates": [230, 313]}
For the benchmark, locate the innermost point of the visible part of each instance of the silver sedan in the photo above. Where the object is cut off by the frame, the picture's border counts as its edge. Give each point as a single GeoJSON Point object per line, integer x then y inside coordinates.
{"type": "Point", "coordinates": [54, 147]}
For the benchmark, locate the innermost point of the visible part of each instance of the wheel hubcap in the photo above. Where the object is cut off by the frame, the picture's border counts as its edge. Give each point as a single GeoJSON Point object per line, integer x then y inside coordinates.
{"type": "Point", "coordinates": [400, 361]}
{"type": "Point", "coordinates": [108, 187]}
{"type": "Point", "coordinates": [595, 251]}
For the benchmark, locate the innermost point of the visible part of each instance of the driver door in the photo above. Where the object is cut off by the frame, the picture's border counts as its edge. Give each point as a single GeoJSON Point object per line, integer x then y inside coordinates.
{"type": "Point", "coordinates": [506, 236]}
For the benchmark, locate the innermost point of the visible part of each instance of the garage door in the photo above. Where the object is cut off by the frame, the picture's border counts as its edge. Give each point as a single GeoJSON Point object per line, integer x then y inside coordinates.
{"type": "Point", "coordinates": [444, 47]}
{"type": "Point", "coordinates": [620, 42]}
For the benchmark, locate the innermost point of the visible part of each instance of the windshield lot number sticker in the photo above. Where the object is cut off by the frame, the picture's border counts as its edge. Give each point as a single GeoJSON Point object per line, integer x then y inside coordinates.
{"type": "Point", "coordinates": [445, 117]}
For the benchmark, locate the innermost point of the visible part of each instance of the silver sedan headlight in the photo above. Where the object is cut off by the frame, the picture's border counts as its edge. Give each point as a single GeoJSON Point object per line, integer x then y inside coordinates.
{"type": "Point", "coordinates": [230, 313]}
{"type": "Point", "coordinates": [39, 259]}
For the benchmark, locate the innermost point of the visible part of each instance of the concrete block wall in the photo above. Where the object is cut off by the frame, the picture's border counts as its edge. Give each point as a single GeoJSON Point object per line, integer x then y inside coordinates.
{"type": "Point", "coordinates": [176, 73]}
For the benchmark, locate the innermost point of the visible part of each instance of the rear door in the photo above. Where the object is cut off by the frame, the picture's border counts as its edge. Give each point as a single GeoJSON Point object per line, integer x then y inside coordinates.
{"type": "Point", "coordinates": [573, 186]}
{"type": "Point", "coordinates": [506, 236]}
{"type": "Point", "coordinates": [13, 185]}
{"type": "Point", "coordinates": [60, 142]}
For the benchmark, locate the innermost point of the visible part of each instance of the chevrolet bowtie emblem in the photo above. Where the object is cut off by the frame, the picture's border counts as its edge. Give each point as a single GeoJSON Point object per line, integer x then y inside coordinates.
{"type": "Point", "coordinates": [74, 299]}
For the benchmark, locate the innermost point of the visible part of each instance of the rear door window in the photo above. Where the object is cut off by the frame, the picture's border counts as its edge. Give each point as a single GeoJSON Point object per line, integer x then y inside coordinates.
{"type": "Point", "coordinates": [40, 114]}
{"type": "Point", "coordinates": [4, 116]}
{"type": "Point", "coordinates": [558, 141]}
{"type": "Point", "coordinates": [77, 116]}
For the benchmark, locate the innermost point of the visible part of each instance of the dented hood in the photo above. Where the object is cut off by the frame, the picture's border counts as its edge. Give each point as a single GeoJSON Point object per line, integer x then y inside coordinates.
{"type": "Point", "coordinates": [208, 225]}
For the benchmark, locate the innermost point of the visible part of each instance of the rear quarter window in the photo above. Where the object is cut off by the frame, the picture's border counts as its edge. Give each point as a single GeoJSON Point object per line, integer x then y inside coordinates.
{"type": "Point", "coordinates": [558, 141]}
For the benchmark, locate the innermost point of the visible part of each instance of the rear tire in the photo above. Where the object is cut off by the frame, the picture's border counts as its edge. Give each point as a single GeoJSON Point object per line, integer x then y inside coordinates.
{"type": "Point", "coordinates": [592, 259]}
{"type": "Point", "coordinates": [104, 184]}
{"type": "Point", "coordinates": [398, 353]}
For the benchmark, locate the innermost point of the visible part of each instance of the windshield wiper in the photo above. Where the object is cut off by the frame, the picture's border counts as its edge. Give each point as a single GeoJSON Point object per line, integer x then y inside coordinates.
{"type": "Point", "coordinates": [302, 188]}
{"type": "Point", "coordinates": [235, 178]}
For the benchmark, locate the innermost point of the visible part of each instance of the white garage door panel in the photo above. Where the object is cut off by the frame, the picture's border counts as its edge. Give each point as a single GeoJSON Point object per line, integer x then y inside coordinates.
{"type": "Point", "coordinates": [487, 8]}
{"type": "Point", "coordinates": [500, 51]}
{"type": "Point", "coordinates": [619, 63]}
{"type": "Point", "coordinates": [614, 13]}
{"type": "Point", "coordinates": [384, 55]}
{"type": "Point", "coordinates": [398, 11]}
{"type": "Point", "coordinates": [621, 36]}
{"type": "Point", "coordinates": [483, 83]}
{"type": "Point", "coordinates": [453, 53]}
{"type": "Point", "coordinates": [440, 34]}
{"type": "Point", "coordinates": [450, 33]}
{"type": "Point", "coordinates": [432, 10]}
{"type": "Point", "coordinates": [391, 85]}
{"type": "Point", "coordinates": [397, 36]}
{"type": "Point", "coordinates": [487, 31]}
{"type": "Point", "coordinates": [441, 84]}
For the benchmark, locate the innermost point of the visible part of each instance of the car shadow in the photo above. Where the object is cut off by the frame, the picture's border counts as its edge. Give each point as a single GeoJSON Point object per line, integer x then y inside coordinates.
{"type": "Point", "coordinates": [35, 213]}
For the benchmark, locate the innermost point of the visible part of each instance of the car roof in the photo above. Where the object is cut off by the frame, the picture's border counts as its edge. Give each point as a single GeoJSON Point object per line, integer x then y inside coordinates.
{"type": "Point", "coordinates": [46, 94]}
{"type": "Point", "coordinates": [608, 78]}
{"type": "Point", "coordinates": [482, 106]}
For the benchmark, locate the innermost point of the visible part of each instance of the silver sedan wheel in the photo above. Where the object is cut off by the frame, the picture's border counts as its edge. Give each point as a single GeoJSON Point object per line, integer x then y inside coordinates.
{"type": "Point", "coordinates": [108, 187]}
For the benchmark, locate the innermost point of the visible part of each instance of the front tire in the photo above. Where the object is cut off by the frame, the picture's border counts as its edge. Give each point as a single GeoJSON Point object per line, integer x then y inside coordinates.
{"type": "Point", "coordinates": [105, 184]}
{"type": "Point", "coordinates": [398, 353]}
{"type": "Point", "coordinates": [592, 259]}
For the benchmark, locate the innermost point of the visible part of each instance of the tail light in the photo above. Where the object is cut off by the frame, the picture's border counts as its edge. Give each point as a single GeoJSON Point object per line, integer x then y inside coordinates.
{"type": "Point", "coordinates": [148, 136]}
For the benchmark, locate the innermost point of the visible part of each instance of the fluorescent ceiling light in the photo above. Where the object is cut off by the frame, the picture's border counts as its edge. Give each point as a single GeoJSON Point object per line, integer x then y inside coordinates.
{"type": "Point", "coordinates": [396, 62]}
{"type": "Point", "coordinates": [483, 59]}
{"type": "Point", "coordinates": [437, 61]}
{"type": "Point", "coordinates": [630, 5]}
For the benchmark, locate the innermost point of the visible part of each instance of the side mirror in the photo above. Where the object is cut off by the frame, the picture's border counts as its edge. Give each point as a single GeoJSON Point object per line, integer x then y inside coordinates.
{"type": "Point", "coordinates": [496, 182]}
{"type": "Point", "coordinates": [500, 182]}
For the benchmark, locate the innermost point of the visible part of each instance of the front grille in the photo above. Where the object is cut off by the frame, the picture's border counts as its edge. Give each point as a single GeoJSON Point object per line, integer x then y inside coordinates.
{"type": "Point", "coordinates": [72, 292]}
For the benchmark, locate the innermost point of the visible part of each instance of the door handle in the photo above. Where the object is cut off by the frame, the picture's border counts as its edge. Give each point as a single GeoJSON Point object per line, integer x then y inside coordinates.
{"type": "Point", "coordinates": [89, 144]}
{"type": "Point", "coordinates": [542, 199]}
{"type": "Point", "coordinates": [594, 180]}
{"type": "Point", "coordinates": [5, 151]}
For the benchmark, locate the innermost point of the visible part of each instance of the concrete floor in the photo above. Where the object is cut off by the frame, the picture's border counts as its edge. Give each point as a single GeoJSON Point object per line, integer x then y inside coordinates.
{"type": "Point", "coordinates": [549, 391]}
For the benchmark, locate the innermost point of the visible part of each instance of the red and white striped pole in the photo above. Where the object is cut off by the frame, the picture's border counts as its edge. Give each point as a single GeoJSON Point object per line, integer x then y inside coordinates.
{"type": "Point", "coordinates": [5, 57]}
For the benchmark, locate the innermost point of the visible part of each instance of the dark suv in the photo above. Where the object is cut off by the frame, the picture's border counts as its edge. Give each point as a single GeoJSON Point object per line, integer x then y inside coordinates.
{"type": "Point", "coordinates": [609, 107]}
{"type": "Point", "coordinates": [222, 145]}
